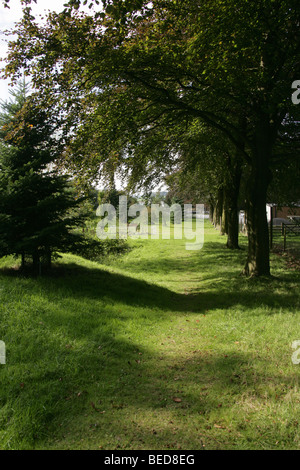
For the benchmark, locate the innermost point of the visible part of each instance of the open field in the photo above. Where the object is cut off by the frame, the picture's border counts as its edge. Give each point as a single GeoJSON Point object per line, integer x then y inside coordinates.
{"type": "Point", "coordinates": [160, 348]}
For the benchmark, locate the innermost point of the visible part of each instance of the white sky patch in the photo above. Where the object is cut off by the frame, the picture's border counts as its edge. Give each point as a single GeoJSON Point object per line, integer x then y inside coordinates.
{"type": "Point", "coordinates": [10, 16]}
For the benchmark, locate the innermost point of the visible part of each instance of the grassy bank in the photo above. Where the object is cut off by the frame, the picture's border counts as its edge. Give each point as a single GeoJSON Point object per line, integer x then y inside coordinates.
{"type": "Point", "coordinates": [160, 348]}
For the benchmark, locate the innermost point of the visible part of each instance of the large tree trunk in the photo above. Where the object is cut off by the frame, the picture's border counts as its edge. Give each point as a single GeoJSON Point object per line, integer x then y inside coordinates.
{"type": "Point", "coordinates": [258, 260]}
{"type": "Point", "coordinates": [258, 235]}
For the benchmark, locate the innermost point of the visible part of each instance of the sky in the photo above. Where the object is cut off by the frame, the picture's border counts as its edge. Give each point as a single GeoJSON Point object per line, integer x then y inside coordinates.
{"type": "Point", "coordinates": [8, 17]}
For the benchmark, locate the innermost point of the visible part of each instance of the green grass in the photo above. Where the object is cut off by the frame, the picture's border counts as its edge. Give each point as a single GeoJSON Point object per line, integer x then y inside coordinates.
{"type": "Point", "coordinates": [160, 348]}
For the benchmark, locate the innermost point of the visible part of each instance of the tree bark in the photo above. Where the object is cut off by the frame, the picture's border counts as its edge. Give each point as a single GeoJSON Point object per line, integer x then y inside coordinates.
{"type": "Point", "coordinates": [258, 260]}
{"type": "Point", "coordinates": [233, 230]}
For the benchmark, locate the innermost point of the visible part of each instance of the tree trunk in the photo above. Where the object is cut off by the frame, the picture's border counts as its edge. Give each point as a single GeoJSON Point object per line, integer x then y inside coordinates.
{"type": "Point", "coordinates": [232, 195]}
{"type": "Point", "coordinates": [233, 224]}
{"type": "Point", "coordinates": [218, 208]}
{"type": "Point", "coordinates": [215, 216]}
{"type": "Point", "coordinates": [258, 236]}
{"type": "Point", "coordinates": [211, 212]}
{"type": "Point", "coordinates": [258, 260]}
{"type": "Point", "coordinates": [224, 221]}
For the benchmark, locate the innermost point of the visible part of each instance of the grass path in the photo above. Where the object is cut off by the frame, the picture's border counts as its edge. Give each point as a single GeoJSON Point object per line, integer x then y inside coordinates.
{"type": "Point", "coordinates": [161, 348]}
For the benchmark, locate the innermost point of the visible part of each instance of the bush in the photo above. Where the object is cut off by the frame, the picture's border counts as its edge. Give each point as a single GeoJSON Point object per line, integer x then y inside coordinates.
{"type": "Point", "coordinates": [96, 250]}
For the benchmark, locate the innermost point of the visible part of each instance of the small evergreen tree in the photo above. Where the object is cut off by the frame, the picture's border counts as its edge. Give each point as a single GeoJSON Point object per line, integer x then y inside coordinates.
{"type": "Point", "coordinates": [38, 207]}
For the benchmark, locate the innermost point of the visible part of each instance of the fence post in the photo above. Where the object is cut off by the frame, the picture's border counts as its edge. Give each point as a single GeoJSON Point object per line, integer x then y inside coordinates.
{"type": "Point", "coordinates": [284, 238]}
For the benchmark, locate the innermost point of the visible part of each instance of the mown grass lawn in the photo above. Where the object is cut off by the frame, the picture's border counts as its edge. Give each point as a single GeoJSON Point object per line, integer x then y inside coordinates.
{"type": "Point", "coordinates": [161, 348]}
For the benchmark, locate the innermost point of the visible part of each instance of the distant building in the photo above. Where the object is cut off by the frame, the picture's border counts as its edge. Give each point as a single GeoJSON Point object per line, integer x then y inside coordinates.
{"type": "Point", "coordinates": [282, 212]}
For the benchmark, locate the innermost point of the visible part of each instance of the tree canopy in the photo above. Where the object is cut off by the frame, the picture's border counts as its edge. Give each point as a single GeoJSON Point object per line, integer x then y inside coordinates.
{"type": "Point", "coordinates": [127, 79]}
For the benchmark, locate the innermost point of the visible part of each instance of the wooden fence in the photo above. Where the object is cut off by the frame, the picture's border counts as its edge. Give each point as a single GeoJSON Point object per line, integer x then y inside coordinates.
{"type": "Point", "coordinates": [286, 236]}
